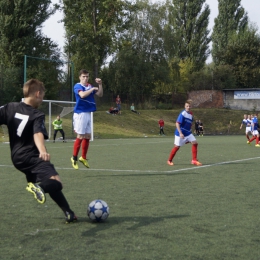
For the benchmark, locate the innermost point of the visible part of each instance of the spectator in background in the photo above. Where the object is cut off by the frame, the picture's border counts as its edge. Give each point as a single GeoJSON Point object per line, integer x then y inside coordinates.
{"type": "Point", "coordinates": [113, 111]}
{"type": "Point", "coordinates": [118, 104]}
{"type": "Point", "coordinates": [161, 126]}
{"type": "Point", "coordinates": [132, 108]}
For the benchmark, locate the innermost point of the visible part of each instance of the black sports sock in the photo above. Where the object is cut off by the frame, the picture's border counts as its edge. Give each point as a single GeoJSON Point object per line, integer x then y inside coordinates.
{"type": "Point", "coordinates": [50, 185]}
{"type": "Point", "coordinates": [61, 201]}
{"type": "Point", "coordinates": [54, 187]}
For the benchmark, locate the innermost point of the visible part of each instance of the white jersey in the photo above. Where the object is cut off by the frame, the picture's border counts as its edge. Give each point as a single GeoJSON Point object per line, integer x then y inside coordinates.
{"type": "Point", "coordinates": [249, 126]}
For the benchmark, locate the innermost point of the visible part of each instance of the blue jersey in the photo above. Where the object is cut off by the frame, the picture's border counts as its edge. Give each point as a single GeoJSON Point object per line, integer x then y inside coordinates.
{"type": "Point", "coordinates": [185, 120]}
{"type": "Point", "coordinates": [244, 121]}
{"type": "Point", "coordinates": [87, 104]}
{"type": "Point", "coordinates": [255, 122]}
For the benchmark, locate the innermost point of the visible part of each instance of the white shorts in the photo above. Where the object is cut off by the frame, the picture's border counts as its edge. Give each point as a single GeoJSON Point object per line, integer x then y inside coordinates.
{"type": "Point", "coordinates": [248, 129]}
{"type": "Point", "coordinates": [82, 123]}
{"type": "Point", "coordinates": [180, 142]}
{"type": "Point", "coordinates": [255, 132]}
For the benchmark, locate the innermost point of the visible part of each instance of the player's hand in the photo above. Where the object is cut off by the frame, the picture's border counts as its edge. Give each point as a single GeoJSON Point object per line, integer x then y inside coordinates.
{"type": "Point", "coordinates": [44, 156]}
{"type": "Point", "coordinates": [182, 136]}
{"type": "Point", "coordinates": [98, 81]}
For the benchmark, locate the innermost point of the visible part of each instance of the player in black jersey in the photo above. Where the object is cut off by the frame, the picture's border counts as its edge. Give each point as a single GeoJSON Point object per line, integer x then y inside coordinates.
{"type": "Point", "coordinates": [29, 155]}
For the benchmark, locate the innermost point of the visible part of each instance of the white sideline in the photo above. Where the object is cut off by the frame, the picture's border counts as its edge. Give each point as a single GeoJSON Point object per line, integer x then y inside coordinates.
{"type": "Point", "coordinates": [151, 171]}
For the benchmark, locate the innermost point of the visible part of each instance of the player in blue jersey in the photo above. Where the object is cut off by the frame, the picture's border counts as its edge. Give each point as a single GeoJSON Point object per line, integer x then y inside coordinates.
{"type": "Point", "coordinates": [255, 132]}
{"type": "Point", "coordinates": [85, 104]}
{"type": "Point", "coordinates": [183, 135]}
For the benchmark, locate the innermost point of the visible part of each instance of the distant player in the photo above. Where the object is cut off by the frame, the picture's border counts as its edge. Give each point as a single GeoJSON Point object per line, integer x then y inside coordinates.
{"type": "Point", "coordinates": [197, 127]}
{"type": "Point", "coordinates": [254, 126]}
{"type": "Point", "coordinates": [27, 133]}
{"type": "Point", "coordinates": [57, 123]}
{"type": "Point", "coordinates": [183, 135]}
{"type": "Point", "coordinates": [247, 123]}
{"type": "Point", "coordinates": [201, 128]}
{"type": "Point", "coordinates": [85, 104]}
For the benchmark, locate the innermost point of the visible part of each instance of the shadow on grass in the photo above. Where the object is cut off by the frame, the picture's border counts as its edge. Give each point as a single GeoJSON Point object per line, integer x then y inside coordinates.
{"type": "Point", "coordinates": [134, 222]}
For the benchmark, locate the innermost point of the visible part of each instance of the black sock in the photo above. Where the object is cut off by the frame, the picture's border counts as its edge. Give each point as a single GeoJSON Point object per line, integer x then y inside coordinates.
{"type": "Point", "coordinates": [50, 185]}
{"type": "Point", "coordinates": [54, 187]}
{"type": "Point", "coordinates": [61, 201]}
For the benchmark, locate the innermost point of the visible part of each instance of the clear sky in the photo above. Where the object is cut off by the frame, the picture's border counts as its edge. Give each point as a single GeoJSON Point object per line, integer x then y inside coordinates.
{"type": "Point", "coordinates": [55, 30]}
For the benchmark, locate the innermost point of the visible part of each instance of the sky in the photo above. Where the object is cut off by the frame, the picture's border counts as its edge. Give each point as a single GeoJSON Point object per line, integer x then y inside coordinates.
{"type": "Point", "coordinates": [53, 29]}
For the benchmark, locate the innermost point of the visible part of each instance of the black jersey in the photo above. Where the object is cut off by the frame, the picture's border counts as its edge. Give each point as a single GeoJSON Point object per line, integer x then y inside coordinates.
{"type": "Point", "coordinates": [23, 121]}
{"type": "Point", "coordinates": [196, 125]}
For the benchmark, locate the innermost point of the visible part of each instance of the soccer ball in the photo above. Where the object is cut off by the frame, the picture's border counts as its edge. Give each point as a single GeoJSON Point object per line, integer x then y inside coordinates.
{"type": "Point", "coordinates": [98, 210]}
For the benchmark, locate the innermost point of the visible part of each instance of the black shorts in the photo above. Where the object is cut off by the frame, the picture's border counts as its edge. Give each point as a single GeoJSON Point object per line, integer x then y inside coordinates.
{"type": "Point", "coordinates": [37, 170]}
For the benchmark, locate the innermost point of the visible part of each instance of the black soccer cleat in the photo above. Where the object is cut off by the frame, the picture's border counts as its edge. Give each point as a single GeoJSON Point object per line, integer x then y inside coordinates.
{"type": "Point", "coordinates": [37, 191]}
{"type": "Point", "coordinates": [70, 217]}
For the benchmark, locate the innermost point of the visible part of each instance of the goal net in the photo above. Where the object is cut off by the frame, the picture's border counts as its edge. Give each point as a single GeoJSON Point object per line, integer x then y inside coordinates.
{"type": "Point", "coordinates": [53, 108]}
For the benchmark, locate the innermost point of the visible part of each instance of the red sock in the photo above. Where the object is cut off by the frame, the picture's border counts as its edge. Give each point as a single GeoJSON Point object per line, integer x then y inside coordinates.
{"type": "Point", "coordinates": [247, 136]}
{"type": "Point", "coordinates": [252, 139]}
{"type": "Point", "coordinates": [257, 140]}
{"type": "Point", "coordinates": [173, 152]}
{"type": "Point", "coordinates": [76, 147]}
{"type": "Point", "coordinates": [85, 145]}
{"type": "Point", "coordinates": [194, 150]}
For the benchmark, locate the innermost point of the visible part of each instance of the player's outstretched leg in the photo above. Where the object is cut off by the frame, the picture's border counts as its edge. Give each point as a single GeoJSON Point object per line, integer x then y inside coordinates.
{"type": "Point", "coordinates": [37, 191]}
{"type": "Point", "coordinates": [54, 188]}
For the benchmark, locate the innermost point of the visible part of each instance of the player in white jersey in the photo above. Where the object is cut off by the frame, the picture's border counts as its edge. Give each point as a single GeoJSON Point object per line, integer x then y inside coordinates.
{"type": "Point", "coordinates": [247, 122]}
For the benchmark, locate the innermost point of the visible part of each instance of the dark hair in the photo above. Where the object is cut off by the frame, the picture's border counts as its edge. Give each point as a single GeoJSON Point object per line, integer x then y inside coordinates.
{"type": "Point", "coordinates": [83, 71]}
{"type": "Point", "coordinates": [32, 86]}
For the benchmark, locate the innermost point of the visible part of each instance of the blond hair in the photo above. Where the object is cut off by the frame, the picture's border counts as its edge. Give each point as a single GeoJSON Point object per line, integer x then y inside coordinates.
{"type": "Point", "coordinates": [32, 86]}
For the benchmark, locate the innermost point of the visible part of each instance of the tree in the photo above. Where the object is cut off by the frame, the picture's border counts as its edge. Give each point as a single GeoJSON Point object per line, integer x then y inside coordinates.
{"type": "Point", "coordinates": [92, 28]}
{"type": "Point", "coordinates": [20, 24]}
{"type": "Point", "coordinates": [231, 19]}
{"type": "Point", "coordinates": [140, 61]}
{"type": "Point", "coordinates": [190, 22]}
{"type": "Point", "coordinates": [243, 54]}
{"type": "Point", "coordinates": [20, 34]}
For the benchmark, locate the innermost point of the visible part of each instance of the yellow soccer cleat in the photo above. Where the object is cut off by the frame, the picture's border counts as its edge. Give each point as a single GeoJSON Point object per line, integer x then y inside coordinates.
{"type": "Point", "coordinates": [37, 191]}
{"type": "Point", "coordinates": [84, 161]}
{"type": "Point", "coordinates": [74, 164]}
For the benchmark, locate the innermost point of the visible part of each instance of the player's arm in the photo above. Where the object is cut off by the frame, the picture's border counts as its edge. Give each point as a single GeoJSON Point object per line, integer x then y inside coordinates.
{"type": "Point", "coordinates": [99, 92]}
{"type": "Point", "coordinates": [39, 142]}
{"type": "Point", "coordinates": [86, 93]}
{"type": "Point", "coordinates": [179, 130]}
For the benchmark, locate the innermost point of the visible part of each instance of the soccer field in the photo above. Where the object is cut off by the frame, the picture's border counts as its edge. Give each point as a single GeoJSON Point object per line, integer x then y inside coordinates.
{"type": "Point", "coordinates": [156, 211]}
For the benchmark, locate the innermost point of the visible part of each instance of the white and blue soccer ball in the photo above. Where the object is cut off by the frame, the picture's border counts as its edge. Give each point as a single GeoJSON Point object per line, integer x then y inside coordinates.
{"type": "Point", "coordinates": [98, 210]}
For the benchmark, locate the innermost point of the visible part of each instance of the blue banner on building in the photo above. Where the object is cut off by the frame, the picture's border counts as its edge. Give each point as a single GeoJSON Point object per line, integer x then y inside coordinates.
{"type": "Point", "coordinates": [246, 94]}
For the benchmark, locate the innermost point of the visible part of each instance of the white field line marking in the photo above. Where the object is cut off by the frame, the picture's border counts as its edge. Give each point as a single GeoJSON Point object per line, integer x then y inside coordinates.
{"type": "Point", "coordinates": [152, 171]}
{"type": "Point", "coordinates": [100, 145]}
{"type": "Point", "coordinates": [162, 172]}
{"type": "Point", "coordinates": [33, 233]}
